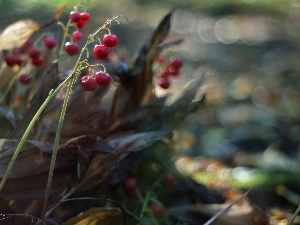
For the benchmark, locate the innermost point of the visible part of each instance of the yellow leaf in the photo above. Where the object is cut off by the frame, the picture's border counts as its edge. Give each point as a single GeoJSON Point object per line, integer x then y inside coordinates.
{"type": "Point", "coordinates": [16, 34]}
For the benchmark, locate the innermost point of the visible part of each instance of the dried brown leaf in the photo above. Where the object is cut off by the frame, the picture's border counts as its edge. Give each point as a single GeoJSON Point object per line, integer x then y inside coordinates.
{"type": "Point", "coordinates": [136, 142]}
{"type": "Point", "coordinates": [16, 34]}
{"type": "Point", "coordinates": [137, 88]}
{"type": "Point", "coordinates": [33, 162]}
{"type": "Point", "coordinates": [102, 216]}
{"type": "Point", "coordinates": [48, 81]}
{"type": "Point", "coordinates": [102, 165]}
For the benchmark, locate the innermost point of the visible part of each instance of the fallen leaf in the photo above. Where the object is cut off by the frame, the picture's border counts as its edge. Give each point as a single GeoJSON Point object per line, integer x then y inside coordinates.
{"type": "Point", "coordinates": [102, 165]}
{"type": "Point", "coordinates": [16, 34]}
{"type": "Point", "coordinates": [103, 216]}
{"type": "Point", "coordinates": [32, 164]}
{"type": "Point", "coordinates": [136, 88]}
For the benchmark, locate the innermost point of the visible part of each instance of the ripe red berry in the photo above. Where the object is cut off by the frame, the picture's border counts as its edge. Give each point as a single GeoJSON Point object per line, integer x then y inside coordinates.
{"type": "Point", "coordinates": [157, 208]}
{"type": "Point", "coordinates": [77, 35]}
{"type": "Point", "coordinates": [110, 40]}
{"type": "Point", "coordinates": [25, 78]}
{"type": "Point", "coordinates": [102, 78]}
{"type": "Point", "coordinates": [35, 53]}
{"type": "Point", "coordinates": [12, 60]}
{"type": "Point", "coordinates": [172, 70]}
{"type": "Point", "coordinates": [169, 179]}
{"type": "Point", "coordinates": [80, 24]}
{"type": "Point", "coordinates": [159, 59]}
{"type": "Point", "coordinates": [49, 42]}
{"type": "Point", "coordinates": [75, 16]}
{"type": "Point", "coordinates": [88, 83]}
{"type": "Point", "coordinates": [176, 62]}
{"type": "Point", "coordinates": [100, 51]}
{"type": "Point", "coordinates": [71, 48]}
{"type": "Point", "coordinates": [85, 17]}
{"type": "Point", "coordinates": [129, 184]}
{"type": "Point", "coordinates": [38, 61]}
{"type": "Point", "coordinates": [164, 82]}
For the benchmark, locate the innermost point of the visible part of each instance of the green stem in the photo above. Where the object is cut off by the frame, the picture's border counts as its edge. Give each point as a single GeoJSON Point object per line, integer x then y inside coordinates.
{"type": "Point", "coordinates": [52, 93]}
{"type": "Point", "coordinates": [294, 215]}
{"type": "Point", "coordinates": [59, 127]}
{"type": "Point", "coordinates": [56, 143]}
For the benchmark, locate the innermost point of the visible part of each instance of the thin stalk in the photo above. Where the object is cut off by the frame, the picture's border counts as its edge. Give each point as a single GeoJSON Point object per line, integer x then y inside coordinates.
{"type": "Point", "coordinates": [59, 127]}
{"type": "Point", "coordinates": [52, 93]}
{"type": "Point", "coordinates": [294, 215]}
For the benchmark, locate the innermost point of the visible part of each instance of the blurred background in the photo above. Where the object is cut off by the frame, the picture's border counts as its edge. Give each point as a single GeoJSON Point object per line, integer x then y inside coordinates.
{"type": "Point", "coordinates": [249, 50]}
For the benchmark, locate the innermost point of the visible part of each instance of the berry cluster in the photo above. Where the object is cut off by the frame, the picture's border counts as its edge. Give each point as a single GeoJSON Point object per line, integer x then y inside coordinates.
{"type": "Point", "coordinates": [79, 18]}
{"type": "Point", "coordinates": [171, 69]}
{"type": "Point", "coordinates": [90, 83]}
{"type": "Point", "coordinates": [29, 52]}
{"type": "Point", "coordinates": [100, 51]}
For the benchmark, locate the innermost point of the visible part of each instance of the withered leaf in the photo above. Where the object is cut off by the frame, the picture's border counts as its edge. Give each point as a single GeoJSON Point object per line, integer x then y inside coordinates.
{"type": "Point", "coordinates": [47, 82]}
{"type": "Point", "coordinates": [102, 216]}
{"type": "Point", "coordinates": [136, 142]}
{"type": "Point", "coordinates": [34, 160]}
{"type": "Point", "coordinates": [16, 34]}
{"type": "Point", "coordinates": [136, 89]}
{"type": "Point", "coordinates": [102, 165]}
{"type": "Point", "coordinates": [35, 156]}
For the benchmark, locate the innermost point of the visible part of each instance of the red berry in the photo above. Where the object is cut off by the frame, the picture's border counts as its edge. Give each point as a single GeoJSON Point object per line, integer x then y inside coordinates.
{"type": "Point", "coordinates": [110, 40]}
{"type": "Point", "coordinates": [164, 82]}
{"type": "Point", "coordinates": [157, 208]}
{"type": "Point", "coordinates": [172, 70]}
{"type": "Point", "coordinates": [38, 61]}
{"type": "Point", "coordinates": [71, 48]}
{"type": "Point", "coordinates": [163, 74]}
{"type": "Point", "coordinates": [80, 24]}
{"type": "Point", "coordinates": [35, 53]}
{"type": "Point", "coordinates": [160, 59]}
{"type": "Point", "coordinates": [100, 51]}
{"type": "Point", "coordinates": [85, 17]}
{"type": "Point", "coordinates": [50, 42]}
{"type": "Point", "coordinates": [12, 60]}
{"type": "Point", "coordinates": [75, 16]}
{"type": "Point", "coordinates": [88, 83]}
{"type": "Point", "coordinates": [102, 78]}
{"type": "Point", "coordinates": [77, 35]}
{"type": "Point", "coordinates": [129, 184]}
{"type": "Point", "coordinates": [169, 179]}
{"type": "Point", "coordinates": [25, 78]}
{"type": "Point", "coordinates": [176, 62]}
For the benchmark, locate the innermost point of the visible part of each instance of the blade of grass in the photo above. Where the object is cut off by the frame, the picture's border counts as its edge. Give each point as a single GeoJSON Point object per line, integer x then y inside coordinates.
{"type": "Point", "coordinates": [294, 215]}
{"type": "Point", "coordinates": [223, 210]}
